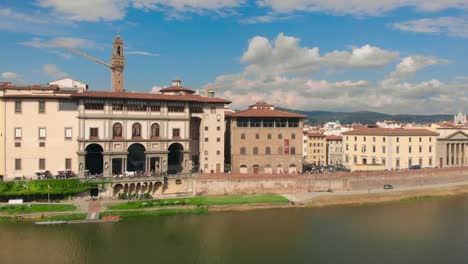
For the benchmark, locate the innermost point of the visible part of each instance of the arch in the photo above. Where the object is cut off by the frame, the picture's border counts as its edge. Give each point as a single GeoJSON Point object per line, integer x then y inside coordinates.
{"type": "Point", "coordinates": [136, 130]}
{"type": "Point", "coordinates": [94, 159]}
{"type": "Point", "coordinates": [255, 169]}
{"type": "Point", "coordinates": [279, 169]}
{"type": "Point", "coordinates": [268, 169]}
{"type": "Point", "coordinates": [136, 157]}
{"type": "Point", "coordinates": [175, 158]}
{"type": "Point", "coordinates": [292, 169]}
{"type": "Point", "coordinates": [155, 130]}
{"type": "Point", "coordinates": [267, 150]}
{"type": "Point", "coordinates": [243, 168]}
{"type": "Point", "coordinates": [118, 50]}
{"type": "Point", "coordinates": [118, 188]}
{"type": "Point", "coordinates": [117, 130]}
{"type": "Point", "coordinates": [255, 150]}
{"type": "Point", "coordinates": [280, 150]}
{"type": "Point", "coordinates": [243, 151]}
{"type": "Point", "coordinates": [293, 151]}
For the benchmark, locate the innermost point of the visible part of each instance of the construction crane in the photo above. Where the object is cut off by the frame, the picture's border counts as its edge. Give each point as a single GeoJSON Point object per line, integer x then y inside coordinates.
{"type": "Point", "coordinates": [86, 55]}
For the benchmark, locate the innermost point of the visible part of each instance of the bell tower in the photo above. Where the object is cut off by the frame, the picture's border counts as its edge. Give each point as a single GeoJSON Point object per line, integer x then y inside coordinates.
{"type": "Point", "coordinates": [118, 65]}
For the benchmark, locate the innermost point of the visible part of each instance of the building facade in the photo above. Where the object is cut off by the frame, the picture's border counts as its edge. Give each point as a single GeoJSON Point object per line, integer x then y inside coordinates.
{"type": "Point", "coordinates": [452, 147]}
{"type": "Point", "coordinates": [334, 150]}
{"type": "Point", "coordinates": [317, 148]}
{"type": "Point", "coordinates": [386, 148]}
{"type": "Point", "coordinates": [265, 140]}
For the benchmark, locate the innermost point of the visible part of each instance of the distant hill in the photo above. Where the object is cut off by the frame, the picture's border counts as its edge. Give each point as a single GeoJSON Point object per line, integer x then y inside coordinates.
{"type": "Point", "coordinates": [366, 117]}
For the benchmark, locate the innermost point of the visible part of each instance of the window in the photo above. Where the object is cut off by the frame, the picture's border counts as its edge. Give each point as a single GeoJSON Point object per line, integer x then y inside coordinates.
{"type": "Point", "coordinates": [364, 138]}
{"type": "Point", "coordinates": [383, 149]}
{"type": "Point", "coordinates": [346, 158]}
{"type": "Point", "coordinates": [410, 162]}
{"type": "Point", "coordinates": [136, 130]}
{"type": "Point", "coordinates": [280, 150]}
{"type": "Point", "coordinates": [41, 106]}
{"type": "Point", "coordinates": [280, 136]}
{"type": "Point", "coordinates": [67, 105]}
{"type": "Point", "coordinates": [42, 133]}
{"type": "Point", "coordinates": [269, 136]}
{"type": "Point", "coordinates": [293, 151]}
{"type": "Point", "coordinates": [17, 144]}
{"type": "Point", "coordinates": [397, 139]}
{"type": "Point", "coordinates": [218, 152]}
{"type": "Point", "coordinates": [242, 136]}
{"type": "Point", "coordinates": [267, 150]}
{"type": "Point", "coordinates": [218, 128]}
{"type": "Point", "coordinates": [293, 123]}
{"type": "Point", "coordinates": [347, 147]}
{"type": "Point", "coordinates": [373, 139]}
{"type": "Point", "coordinates": [397, 149]}
{"type": "Point", "coordinates": [293, 136]}
{"type": "Point", "coordinates": [420, 149]}
{"type": "Point", "coordinates": [155, 130]}
{"type": "Point", "coordinates": [398, 163]}
{"type": "Point", "coordinates": [373, 148]}
{"type": "Point", "coordinates": [17, 164]}
{"type": "Point", "coordinates": [255, 122]}
{"type": "Point", "coordinates": [243, 151]}
{"type": "Point", "coordinates": [420, 162]}
{"type": "Point", "coordinates": [41, 164]}
{"type": "Point", "coordinates": [155, 107]}
{"type": "Point", "coordinates": [18, 133]}
{"type": "Point", "coordinates": [355, 159]}
{"type": "Point", "coordinates": [430, 161]}
{"type": "Point", "coordinates": [68, 133]}
{"type": "Point", "coordinates": [218, 139]}
{"type": "Point", "coordinates": [17, 106]}
{"type": "Point", "coordinates": [206, 139]}
{"type": "Point", "coordinates": [409, 149]}
{"type": "Point", "coordinates": [355, 147]}
{"type": "Point", "coordinates": [136, 106]}
{"type": "Point", "coordinates": [94, 105]}
{"type": "Point", "coordinates": [68, 164]}
{"type": "Point", "coordinates": [213, 109]}
{"type": "Point", "coordinates": [242, 122]}
{"type": "Point", "coordinates": [176, 133]}
{"type": "Point", "coordinates": [430, 149]}
{"type": "Point", "coordinates": [41, 144]}
{"type": "Point", "coordinates": [383, 162]}
{"type": "Point", "coordinates": [268, 123]}
{"type": "Point", "coordinates": [117, 105]}
{"type": "Point", "coordinates": [257, 136]}
{"type": "Point", "coordinates": [409, 139]}
{"type": "Point", "coordinates": [363, 148]}
{"type": "Point", "coordinates": [373, 160]}
{"type": "Point", "coordinates": [280, 123]}
{"type": "Point", "coordinates": [430, 139]}
{"type": "Point", "coordinates": [93, 132]}
{"type": "Point", "coordinates": [355, 138]}
{"type": "Point", "coordinates": [176, 108]}
{"type": "Point", "coordinates": [117, 130]}
{"type": "Point", "coordinates": [383, 139]}
{"type": "Point", "coordinates": [206, 128]}
{"type": "Point", "coordinates": [255, 151]}
{"type": "Point", "coordinates": [420, 139]}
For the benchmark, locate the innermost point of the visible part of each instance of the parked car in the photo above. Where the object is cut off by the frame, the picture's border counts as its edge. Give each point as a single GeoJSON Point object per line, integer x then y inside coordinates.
{"type": "Point", "coordinates": [388, 187]}
{"type": "Point", "coordinates": [415, 167]}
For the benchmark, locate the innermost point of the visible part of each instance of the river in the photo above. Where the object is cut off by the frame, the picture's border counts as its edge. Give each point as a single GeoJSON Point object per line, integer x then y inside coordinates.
{"type": "Point", "coordinates": [427, 231]}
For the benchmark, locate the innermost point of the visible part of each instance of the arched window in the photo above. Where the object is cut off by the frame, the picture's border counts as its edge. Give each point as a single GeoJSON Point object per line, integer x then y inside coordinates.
{"type": "Point", "coordinates": [136, 130]}
{"type": "Point", "coordinates": [280, 136]}
{"type": "Point", "coordinates": [242, 151]}
{"type": "Point", "coordinates": [242, 136]}
{"type": "Point", "coordinates": [155, 130]}
{"type": "Point", "coordinates": [293, 136]}
{"type": "Point", "coordinates": [280, 150]}
{"type": "Point", "coordinates": [255, 151]}
{"type": "Point", "coordinates": [117, 130]}
{"type": "Point", "coordinates": [267, 150]}
{"type": "Point", "coordinates": [118, 51]}
{"type": "Point", "coordinates": [293, 150]}
{"type": "Point", "coordinates": [243, 168]}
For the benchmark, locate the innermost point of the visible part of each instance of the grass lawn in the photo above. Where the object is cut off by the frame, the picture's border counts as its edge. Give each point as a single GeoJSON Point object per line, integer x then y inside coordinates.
{"type": "Point", "coordinates": [35, 208]}
{"type": "Point", "coordinates": [204, 200]}
{"type": "Point", "coordinates": [137, 213]}
{"type": "Point", "coordinates": [66, 217]}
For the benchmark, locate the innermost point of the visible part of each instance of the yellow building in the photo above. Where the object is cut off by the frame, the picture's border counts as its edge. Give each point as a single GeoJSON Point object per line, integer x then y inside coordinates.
{"type": "Point", "coordinates": [387, 148]}
{"type": "Point", "coordinates": [317, 148]}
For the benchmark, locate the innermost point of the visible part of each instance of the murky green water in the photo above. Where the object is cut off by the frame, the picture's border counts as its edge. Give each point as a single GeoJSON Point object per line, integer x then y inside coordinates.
{"type": "Point", "coordinates": [431, 231]}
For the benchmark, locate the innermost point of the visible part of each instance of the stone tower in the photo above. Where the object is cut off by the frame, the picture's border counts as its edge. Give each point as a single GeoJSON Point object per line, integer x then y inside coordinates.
{"type": "Point", "coordinates": [118, 65]}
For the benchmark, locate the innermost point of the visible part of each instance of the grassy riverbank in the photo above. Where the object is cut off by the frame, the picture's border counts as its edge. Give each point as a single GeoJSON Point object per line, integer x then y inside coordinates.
{"type": "Point", "coordinates": [35, 208]}
{"type": "Point", "coordinates": [141, 213]}
{"type": "Point", "coordinates": [203, 201]}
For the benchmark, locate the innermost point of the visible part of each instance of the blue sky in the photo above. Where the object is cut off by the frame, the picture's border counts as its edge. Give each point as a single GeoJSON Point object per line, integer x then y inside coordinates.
{"type": "Point", "coordinates": [392, 56]}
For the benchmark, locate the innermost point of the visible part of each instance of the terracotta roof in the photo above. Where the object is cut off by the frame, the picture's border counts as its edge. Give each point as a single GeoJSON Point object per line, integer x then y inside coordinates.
{"type": "Point", "coordinates": [266, 113]}
{"type": "Point", "coordinates": [10, 86]}
{"type": "Point", "coordinates": [262, 103]}
{"type": "Point", "coordinates": [177, 89]}
{"type": "Point", "coordinates": [150, 96]}
{"type": "Point", "coordinates": [334, 137]}
{"type": "Point", "coordinates": [315, 134]}
{"type": "Point", "coordinates": [392, 132]}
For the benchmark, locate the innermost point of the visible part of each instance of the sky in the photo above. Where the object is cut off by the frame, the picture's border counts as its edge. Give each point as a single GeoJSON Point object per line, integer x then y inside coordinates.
{"type": "Point", "coordinates": [390, 56]}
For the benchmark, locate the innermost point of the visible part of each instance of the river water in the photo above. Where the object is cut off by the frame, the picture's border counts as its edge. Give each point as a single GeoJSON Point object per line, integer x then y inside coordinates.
{"type": "Point", "coordinates": [429, 231]}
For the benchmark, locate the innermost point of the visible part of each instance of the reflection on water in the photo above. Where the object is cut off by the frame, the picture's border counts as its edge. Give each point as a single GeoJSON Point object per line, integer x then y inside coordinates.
{"type": "Point", "coordinates": [431, 231]}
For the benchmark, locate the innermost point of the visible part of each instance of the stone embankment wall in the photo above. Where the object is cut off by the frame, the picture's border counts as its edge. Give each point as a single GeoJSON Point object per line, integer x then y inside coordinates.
{"type": "Point", "coordinates": [219, 184]}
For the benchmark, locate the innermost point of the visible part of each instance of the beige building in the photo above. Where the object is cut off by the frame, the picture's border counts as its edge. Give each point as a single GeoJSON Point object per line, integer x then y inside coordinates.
{"type": "Point", "coordinates": [317, 148]}
{"type": "Point", "coordinates": [452, 147]}
{"type": "Point", "coordinates": [386, 148]}
{"type": "Point", "coordinates": [265, 140]}
{"type": "Point", "coordinates": [334, 150]}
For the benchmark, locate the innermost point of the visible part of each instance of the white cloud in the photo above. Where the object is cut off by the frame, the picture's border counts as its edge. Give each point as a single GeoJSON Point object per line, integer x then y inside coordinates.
{"type": "Point", "coordinates": [452, 26]}
{"type": "Point", "coordinates": [11, 77]}
{"type": "Point", "coordinates": [273, 72]}
{"type": "Point", "coordinates": [359, 7]}
{"type": "Point", "coordinates": [78, 43]}
{"type": "Point", "coordinates": [35, 22]}
{"type": "Point", "coordinates": [268, 18]}
{"type": "Point", "coordinates": [143, 53]}
{"type": "Point", "coordinates": [53, 71]}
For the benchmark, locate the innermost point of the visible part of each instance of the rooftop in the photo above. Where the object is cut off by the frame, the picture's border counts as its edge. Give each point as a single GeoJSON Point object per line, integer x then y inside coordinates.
{"type": "Point", "coordinates": [150, 96]}
{"type": "Point", "coordinates": [266, 113]}
{"type": "Point", "coordinates": [392, 132]}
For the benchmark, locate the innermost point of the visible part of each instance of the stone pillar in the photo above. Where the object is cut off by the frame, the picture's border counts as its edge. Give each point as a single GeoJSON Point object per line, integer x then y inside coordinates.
{"type": "Point", "coordinates": [186, 163]}
{"type": "Point", "coordinates": [107, 165]}
{"type": "Point", "coordinates": [81, 164]}
{"type": "Point", "coordinates": [457, 146]}
{"type": "Point", "coordinates": [447, 156]}
{"type": "Point", "coordinates": [124, 164]}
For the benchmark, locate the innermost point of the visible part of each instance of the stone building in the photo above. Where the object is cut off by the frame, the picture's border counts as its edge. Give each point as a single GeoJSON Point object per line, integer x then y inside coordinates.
{"type": "Point", "coordinates": [386, 148]}
{"type": "Point", "coordinates": [317, 148]}
{"type": "Point", "coordinates": [452, 147]}
{"type": "Point", "coordinates": [334, 150]}
{"type": "Point", "coordinates": [265, 140]}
